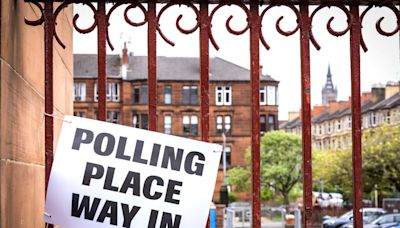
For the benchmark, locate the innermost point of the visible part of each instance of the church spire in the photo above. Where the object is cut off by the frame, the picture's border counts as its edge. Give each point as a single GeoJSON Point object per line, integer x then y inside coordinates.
{"type": "Point", "coordinates": [329, 82]}
{"type": "Point", "coordinates": [329, 92]}
{"type": "Point", "coordinates": [329, 70]}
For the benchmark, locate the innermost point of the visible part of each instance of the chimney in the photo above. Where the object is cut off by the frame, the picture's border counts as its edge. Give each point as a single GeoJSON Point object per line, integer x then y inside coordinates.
{"type": "Point", "coordinates": [293, 115]}
{"type": "Point", "coordinates": [391, 89]}
{"type": "Point", "coordinates": [125, 62]}
{"type": "Point", "coordinates": [125, 58]}
{"type": "Point", "coordinates": [378, 92]}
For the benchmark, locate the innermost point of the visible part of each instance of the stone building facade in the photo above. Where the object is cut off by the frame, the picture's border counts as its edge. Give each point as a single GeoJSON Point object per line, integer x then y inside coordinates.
{"type": "Point", "coordinates": [178, 99]}
{"type": "Point", "coordinates": [22, 170]}
{"type": "Point", "coordinates": [331, 124]}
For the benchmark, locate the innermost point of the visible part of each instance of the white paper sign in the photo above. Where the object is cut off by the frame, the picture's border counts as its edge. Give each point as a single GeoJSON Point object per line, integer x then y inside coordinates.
{"type": "Point", "coordinates": [108, 175]}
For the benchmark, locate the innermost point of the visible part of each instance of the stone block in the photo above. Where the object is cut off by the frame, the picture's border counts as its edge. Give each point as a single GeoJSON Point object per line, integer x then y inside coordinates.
{"type": "Point", "coordinates": [22, 119]}
{"type": "Point", "coordinates": [22, 194]}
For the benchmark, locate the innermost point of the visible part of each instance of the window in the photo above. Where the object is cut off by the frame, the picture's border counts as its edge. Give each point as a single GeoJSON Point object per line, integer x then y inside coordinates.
{"type": "Point", "coordinates": [271, 123]}
{"type": "Point", "coordinates": [319, 129]}
{"type": "Point", "coordinates": [373, 119]}
{"type": "Point", "coordinates": [223, 95]}
{"type": "Point", "coordinates": [388, 117]}
{"type": "Point", "coordinates": [271, 95]}
{"type": "Point", "coordinates": [189, 95]}
{"type": "Point", "coordinates": [136, 94]}
{"type": "Point", "coordinates": [224, 124]}
{"type": "Point", "coordinates": [80, 114]}
{"type": "Point", "coordinates": [339, 125]}
{"type": "Point", "coordinates": [190, 125]}
{"type": "Point", "coordinates": [167, 95]}
{"type": "Point", "coordinates": [263, 95]}
{"type": "Point", "coordinates": [329, 127]}
{"type": "Point", "coordinates": [144, 120]}
{"type": "Point", "coordinates": [140, 94]}
{"type": "Point", "coordinates": [349, 122]}
{"type": "Point", "coordinates": [112, 91]}
{"type": "Point", "coordinates": [143, 95]}
{"type": "Point", "coordinates": [79, 91]}
{"type": "Point", "coordinates": [228, 150]}
{"type": "Point", "coordinates": [112, 117]}
{"type": "Point", "coordinates": [114, 87]}
{"type": "Point", "coordinates": [140, 121]}
{"type": "Point", "coordinates": [135, 121]}
{"type": "Point", "coordinates": [263, 123]}
{"type": "Point", "coordinates": [167, 124]}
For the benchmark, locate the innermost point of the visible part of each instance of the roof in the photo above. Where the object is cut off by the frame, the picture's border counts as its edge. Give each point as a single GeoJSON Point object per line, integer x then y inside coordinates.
{"type": "Point", "coordinates": [291, 124]}
{"type": "Point", "coordinates": [369, 105]}
{"type": "Point", "coordinates": [386, 103]}
{"type": "Point", "coordinates": [168, 68]}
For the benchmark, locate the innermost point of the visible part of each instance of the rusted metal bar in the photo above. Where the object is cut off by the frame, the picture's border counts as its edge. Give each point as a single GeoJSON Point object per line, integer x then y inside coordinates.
{"type": "Point", "coordinates": [355, 40]}
{"type": "Point", "coordinates": [101, 60]}
{"type": "Point", "coordinates": [204, 70]}
{"type": "Point", "coordinates": [204, 75]}
{"type": "Point", "coordinates": [152, 65]}
{"type": "Point", "coordinates": [306, 112]}
{"type": "Point", "coordinates": [48, 86]}
{"type": "Point", "coordinates": [255, 30]}
{"type": "Point", "coordinates": [48, 90]}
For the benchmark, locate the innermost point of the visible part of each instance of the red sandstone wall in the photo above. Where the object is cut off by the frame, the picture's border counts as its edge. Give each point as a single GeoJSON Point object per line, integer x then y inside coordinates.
{"type": "Point", "coordinates": [22, 107]}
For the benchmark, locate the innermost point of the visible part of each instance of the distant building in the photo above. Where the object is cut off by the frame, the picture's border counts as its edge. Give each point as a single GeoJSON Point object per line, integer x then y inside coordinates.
{"type": "Point", "coordinates": [178, 98]}
{"type": "Point", "coordinates": [329, 92]}
{"type": "Point", "coordinates": [331, 124]}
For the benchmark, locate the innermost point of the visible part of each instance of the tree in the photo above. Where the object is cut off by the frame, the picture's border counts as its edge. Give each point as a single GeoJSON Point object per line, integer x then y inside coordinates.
{"type": "Point", "coordinates": [280, 165]}
{"type": "Point", "coordinates": [281, 161]}
{"type": "Point", "coordinates": [381, 158]}
{"type": "Point", "coordinates": [381, 153]}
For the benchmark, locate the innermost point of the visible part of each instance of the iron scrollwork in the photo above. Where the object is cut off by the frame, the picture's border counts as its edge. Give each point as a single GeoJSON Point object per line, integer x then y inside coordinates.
{"type": "Point", "coordinates": [178, 20]}
{"type": "Point", "coordinates": [278, 22]}
{"type": "Point", "coordinates": [378, 24]}
{"type": "Point", "coordinates": [329, 23]}
{"type": "Point", "coordinates": [131, 4]}
{"type": "Point", "coordinates": [38, 21]}
{"type": "Point", "coordinates": [228, 22]}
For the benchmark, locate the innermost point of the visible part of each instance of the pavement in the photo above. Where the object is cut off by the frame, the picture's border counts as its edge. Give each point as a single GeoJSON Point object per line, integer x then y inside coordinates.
{"type": "Point", "coordinates": [265, 223]}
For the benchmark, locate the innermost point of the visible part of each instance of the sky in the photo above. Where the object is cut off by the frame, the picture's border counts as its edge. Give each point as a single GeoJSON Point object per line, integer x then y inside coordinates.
{"type": "Point", "coordinates": [380, 64]}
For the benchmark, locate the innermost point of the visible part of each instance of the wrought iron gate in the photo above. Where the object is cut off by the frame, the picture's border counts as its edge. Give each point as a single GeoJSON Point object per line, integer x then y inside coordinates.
{"type": "Point", "coordinates": [351, 8]}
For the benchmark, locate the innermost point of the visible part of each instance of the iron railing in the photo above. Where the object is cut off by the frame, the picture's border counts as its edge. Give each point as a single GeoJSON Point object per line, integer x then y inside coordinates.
{"type": "Point", "coordinates": [251, 8]}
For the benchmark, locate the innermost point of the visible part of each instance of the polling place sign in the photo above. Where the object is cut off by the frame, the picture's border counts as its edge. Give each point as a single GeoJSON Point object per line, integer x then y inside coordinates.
{"type": "Point", "coordinates": [108, 175]}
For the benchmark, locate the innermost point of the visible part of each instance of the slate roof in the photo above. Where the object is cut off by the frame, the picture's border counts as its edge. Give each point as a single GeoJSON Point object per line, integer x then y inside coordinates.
{"type": "Point", "coordinates": [168, 68]}
{"type": "Point", "coordinates": [388, 103]}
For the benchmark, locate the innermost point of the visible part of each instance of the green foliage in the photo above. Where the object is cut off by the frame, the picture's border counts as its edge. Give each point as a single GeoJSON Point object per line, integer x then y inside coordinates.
{"type": "Point", "coordinates": [381, 166]}
{"type": "Point", "coordinates": [381, 156]}
{"type": "Point", "coordinates": [280, 161]}
{"type": "Point", "coordinates": [232, 197]}
{"type": "Point", "coordinates": [280, 166]}
{"type": "Point", "coordinates": [240, 178]}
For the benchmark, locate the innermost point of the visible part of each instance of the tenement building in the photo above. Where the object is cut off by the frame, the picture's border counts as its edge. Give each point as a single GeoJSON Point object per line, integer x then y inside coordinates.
{"type": "Point", "coordinates": [178, 98]}
{"type": "Point", "coordinates": [331, 123]}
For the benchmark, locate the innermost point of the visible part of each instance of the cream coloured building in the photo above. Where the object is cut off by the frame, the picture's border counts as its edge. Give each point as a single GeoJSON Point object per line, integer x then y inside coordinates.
{"type": "Point", "coordinates": [331, 124]}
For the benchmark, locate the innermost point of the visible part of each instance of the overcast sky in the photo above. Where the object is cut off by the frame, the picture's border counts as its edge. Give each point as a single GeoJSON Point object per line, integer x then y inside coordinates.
{"type": "Point", "coordinates": [380, 64]}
